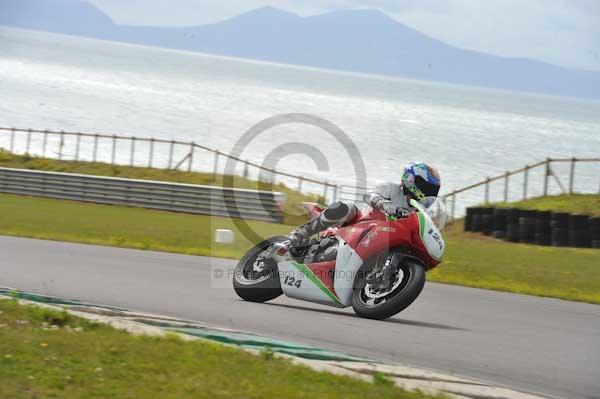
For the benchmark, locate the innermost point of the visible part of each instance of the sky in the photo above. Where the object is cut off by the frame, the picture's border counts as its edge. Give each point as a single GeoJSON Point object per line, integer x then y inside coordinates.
{"type": "Point", "coordinates": [561, 32]}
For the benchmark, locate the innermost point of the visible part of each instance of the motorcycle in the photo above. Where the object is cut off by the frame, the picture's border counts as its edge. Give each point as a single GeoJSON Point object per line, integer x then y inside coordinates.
{"type": "Point", "coordinates": [376, 263]}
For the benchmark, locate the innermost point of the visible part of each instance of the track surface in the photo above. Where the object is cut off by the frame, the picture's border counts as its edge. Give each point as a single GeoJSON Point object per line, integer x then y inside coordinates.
{"type": "Point", "coordinates": [538, 345]}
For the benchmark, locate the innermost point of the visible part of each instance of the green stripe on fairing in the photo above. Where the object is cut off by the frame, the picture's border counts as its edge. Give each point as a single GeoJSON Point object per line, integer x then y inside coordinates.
{"type": "Point", "coordinates": [421, 225]}
{"type": "Point", "coordinates": [312, 277]}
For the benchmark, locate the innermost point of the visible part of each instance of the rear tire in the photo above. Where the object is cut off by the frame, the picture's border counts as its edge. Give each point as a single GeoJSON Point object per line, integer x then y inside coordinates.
{"type": "Point", "coordinates": [261, 289]}
{"type": "Point", "coordinates": [397, 301]}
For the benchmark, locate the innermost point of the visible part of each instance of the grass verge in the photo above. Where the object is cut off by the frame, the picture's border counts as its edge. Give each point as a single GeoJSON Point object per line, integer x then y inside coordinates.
{"type": "Point", "coordinates": [51, 354]}
{"type": "Point", "coordinates": [294, 212]}
{"type": "Point", "coordinates": [471, 260]}
{"type": "Point", "coordinates": [125, 227]}
{"type": "Point", "coordinates": [474, 260]}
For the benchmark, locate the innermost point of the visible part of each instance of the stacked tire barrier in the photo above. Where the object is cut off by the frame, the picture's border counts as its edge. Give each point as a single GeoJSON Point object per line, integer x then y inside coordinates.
{"type": "Point", "coordinates": [558, 229]}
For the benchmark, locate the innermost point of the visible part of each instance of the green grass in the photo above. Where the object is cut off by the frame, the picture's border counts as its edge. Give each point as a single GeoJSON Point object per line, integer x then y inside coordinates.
{"type": "Point", "coordinates": [127, 227]}
{"type": "Point", "coordinates": [475, 260]}
{"type": "Point", "coordinates": [471, 259]}
{"type": "Point", "coordinates": [50, 354]}
{"type": "Point", "coordinates": [588, 204]}
{"type": "Point", "coordinates": [294, 212]}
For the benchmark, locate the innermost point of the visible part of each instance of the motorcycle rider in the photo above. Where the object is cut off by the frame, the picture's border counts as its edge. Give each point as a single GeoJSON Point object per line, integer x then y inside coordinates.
{"type": "Point", "coordinates": [419, 180]}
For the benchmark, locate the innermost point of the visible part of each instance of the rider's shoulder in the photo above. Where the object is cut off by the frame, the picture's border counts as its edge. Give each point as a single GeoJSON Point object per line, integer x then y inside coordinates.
{"type": "Point", "coordinates": [388, 186]}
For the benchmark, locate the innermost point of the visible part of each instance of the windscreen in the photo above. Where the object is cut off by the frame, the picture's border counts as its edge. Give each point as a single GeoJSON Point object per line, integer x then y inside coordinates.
{"type": "Point", "coordinates": [436, 209]}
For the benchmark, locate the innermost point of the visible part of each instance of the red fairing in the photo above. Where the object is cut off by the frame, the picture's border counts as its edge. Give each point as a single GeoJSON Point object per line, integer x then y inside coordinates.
{"type": "Point", "coordinates": [324, 272]}
{"type": "Point", "coordinates": [372, 233]}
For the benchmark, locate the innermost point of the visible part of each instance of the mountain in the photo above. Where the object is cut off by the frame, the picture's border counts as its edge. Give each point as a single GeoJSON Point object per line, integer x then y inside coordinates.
{"type": "Point", "coordinates": [366, 41]}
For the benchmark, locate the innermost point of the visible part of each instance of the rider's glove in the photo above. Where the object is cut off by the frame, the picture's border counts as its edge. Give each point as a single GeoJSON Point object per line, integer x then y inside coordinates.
{"type": "Point", "coordinates": [390, 209]}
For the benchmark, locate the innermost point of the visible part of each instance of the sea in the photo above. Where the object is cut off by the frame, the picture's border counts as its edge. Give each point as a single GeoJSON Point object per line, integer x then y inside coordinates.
{"type": "Point", "coordinates": [361, 124]}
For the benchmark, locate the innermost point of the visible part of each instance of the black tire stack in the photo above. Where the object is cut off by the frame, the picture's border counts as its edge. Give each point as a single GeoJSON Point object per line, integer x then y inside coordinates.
{"type": "Point", "coordinates": [558, 229]}
{"type": "Point", "coordinates": [595, 232]}
{"type": "Point", "coordinates": [543, 230]}
{"type": "Point", "coordinates": [487, 221]}
{"type": "Point", "coordinates": [527, 220]}
{"type": "Point", "coordinates": [469, 219]}
{"type": "Point", "coordinates": [476, 224]}
{"type": "Point", "coordinates": [500, 222]}
{"type": "Point", "coordinates": [579, 231]}
{"type": "Point", "coordinates": [512, 225]}
{"type": "Point", "coordinates": [559, 222]}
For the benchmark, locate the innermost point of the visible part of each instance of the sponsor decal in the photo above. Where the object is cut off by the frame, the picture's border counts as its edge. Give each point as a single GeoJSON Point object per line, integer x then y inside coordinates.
{"type": "Point", "coordinates": [372, 234]}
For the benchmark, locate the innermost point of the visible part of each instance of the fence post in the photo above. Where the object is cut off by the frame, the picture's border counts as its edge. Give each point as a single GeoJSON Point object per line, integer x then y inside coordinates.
{"type": "Point", "coordinates": [114, 149]}
{"type": "Point", "coordinates": [216, 165]}
{"type": "Point", "coordinates": [300, 184]}
{"type": "Point", "coordinates": [487, 190]}
{"type": "Point", "coordinates": [335, 192]}
{"type": "Point", "coordinates": [171, 147]}
{"type": "Point", "coordinates": [192, 145]}
{"type": "Point", "coordinates": [12, 139]}
{"type": "Point", "coordinates": [95, 154]}
{"type": "Point", "coordinates": [131, 155]}
{"type": "Point", "coordinates": [453, 207]}
{"type": "Point", "coordinates": [506, 176]}
{"type": "Point", "coordinates": [151, 154]}
{"type": "Point", "coordinates": [525, 178]}
{"type": "Point", "coordinates": [572, 175]}
{"type": "Point", "coordinates": [28, 141]}
{"type": "Point", "coordinates": [61, 144]}
{"type": "Point", "coordinates": [546, 176]}
{"type": "Point", "coordinates": [246, 173]}
{"type": "Point", "coordinates": [77, 146]}
{"type": "Point", "coordinates": [325, 187]}
{"type": "Point", "coordinates": [44, 143]}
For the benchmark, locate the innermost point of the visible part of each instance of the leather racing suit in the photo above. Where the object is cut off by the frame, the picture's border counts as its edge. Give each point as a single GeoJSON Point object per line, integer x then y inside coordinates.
{"type": "Point", "coordinates": [390, 198]}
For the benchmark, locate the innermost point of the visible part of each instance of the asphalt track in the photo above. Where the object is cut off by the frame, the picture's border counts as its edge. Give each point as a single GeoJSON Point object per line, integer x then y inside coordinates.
{"type": "Point", "coordinates": [537, 345]}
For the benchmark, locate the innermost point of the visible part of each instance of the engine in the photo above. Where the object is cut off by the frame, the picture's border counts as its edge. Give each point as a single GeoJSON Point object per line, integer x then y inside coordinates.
{"type": "Point", "coordinates": [324, 251]}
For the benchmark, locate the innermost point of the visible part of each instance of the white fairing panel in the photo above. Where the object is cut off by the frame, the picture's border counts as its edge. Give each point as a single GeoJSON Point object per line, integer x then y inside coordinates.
{"type": "Point", "coordinates": [347, 264]}
{"type": "Point", "coordinates": [432, 238]}
{"type": "Point", "coordinates": [297, 281]}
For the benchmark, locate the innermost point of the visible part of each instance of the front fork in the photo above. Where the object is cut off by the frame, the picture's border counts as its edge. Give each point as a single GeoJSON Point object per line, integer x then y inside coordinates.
{"type": "Point", "coordinates": [381, 276]}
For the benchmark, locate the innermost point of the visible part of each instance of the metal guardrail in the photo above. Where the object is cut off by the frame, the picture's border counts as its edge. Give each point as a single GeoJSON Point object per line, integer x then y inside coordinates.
{"type": "Point", "coordinates": [188, 198]}
{"type": "Point", "coordinates": [148, 152]}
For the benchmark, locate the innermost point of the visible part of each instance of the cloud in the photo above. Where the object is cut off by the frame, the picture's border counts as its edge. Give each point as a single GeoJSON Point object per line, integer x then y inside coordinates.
{"type": "Point", "coordinates": [563, 32]}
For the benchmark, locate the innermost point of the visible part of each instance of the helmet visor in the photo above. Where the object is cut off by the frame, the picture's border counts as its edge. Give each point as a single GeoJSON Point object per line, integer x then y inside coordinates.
{"type": "Point", "coordinates": [428, 189]}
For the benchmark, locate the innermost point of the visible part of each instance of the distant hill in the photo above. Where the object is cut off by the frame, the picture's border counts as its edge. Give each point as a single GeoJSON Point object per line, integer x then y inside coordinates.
{"type": "Point", "coordinates": [365, 41]}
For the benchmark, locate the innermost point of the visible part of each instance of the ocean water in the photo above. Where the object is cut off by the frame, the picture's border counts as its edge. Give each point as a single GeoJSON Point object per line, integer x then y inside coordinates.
{"type": "Point", "coordinates": [62, 82]}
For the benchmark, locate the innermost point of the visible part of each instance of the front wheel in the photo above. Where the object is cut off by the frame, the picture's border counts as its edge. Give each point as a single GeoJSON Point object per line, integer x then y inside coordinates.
{"type": "Point", "coordinates": [380, 303]}
{"type": "Point", "coordinates": [255, 278]}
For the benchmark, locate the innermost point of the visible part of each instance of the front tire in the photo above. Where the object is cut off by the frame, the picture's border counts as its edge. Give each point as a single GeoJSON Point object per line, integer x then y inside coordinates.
{"type": "Point", "coordinates": [411, 285]}
{"type": "Point", "coordinates": [258, 284]}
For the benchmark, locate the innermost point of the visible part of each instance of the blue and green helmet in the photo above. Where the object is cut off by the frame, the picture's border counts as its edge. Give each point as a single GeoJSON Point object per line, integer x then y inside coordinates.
{"type": "Point", "coordinates": [421, 180]}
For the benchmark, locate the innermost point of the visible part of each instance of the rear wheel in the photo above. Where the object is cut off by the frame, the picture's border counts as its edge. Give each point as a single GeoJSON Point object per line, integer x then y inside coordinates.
{"type": "Point", "coordinates": [374, 302]}
{"type": "Point", "coordinates": [255, 278]}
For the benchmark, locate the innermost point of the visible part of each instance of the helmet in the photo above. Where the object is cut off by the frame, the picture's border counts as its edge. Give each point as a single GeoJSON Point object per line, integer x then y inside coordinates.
{"type": "Point", "coordinates": [421, 180]}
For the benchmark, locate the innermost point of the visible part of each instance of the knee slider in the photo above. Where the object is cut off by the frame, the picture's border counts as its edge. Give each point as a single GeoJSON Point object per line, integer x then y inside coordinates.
{"type": "Point", "coordinates": [338, 212]}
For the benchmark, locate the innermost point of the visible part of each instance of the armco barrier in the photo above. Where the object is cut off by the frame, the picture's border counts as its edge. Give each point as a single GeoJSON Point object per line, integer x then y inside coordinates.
{"type": "Point", "coordinates": [558, 229]}
{"type": "Point", "coordinates": [177, 197]}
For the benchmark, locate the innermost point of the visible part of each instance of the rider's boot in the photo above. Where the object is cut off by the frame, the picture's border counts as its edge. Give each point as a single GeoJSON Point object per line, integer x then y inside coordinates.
{"type": "Point", "coordinates": [338, 213]}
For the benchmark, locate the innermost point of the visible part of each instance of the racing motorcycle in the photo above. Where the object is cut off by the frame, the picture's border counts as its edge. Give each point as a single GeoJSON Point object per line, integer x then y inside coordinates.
{"type": "Point", "coordinates": [376, 263]}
